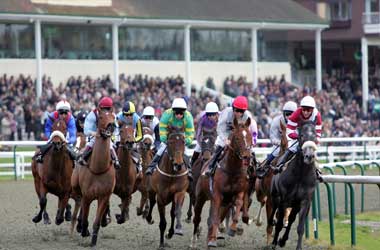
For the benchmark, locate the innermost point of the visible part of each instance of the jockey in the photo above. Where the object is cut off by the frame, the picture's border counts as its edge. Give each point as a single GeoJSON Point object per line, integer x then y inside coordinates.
{"type": "Point", "coordinates": [62, 111]}
{"type": "Point", "coordinates": [177, 116]}
{"type": "Point", "coordinates": [276, 133]}
{"type": "Point", "coordinates": [225, 125]}
{"type": "Point", "coordinates": [149, 120]}
{"type": "Point", "coordinates": [90, 127]}
{"type": "Point", "coordinates": [129, 116]}
{"type": "Point", "coordinates": [307, 112]}
{"type": "Point", "coordinates": [209, 120]}
{"type": "Point", "coordinates": [79, 122]}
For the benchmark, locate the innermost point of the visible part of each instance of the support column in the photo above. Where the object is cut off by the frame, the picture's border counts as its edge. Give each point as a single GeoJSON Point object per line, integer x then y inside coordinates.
{"type": "Point", "coordinates": [365, 74]}
{"type": "Point", "coordinates": [37, 44]}
{"type": "Point", "coordinates": [188, 60]}
{"type": "Point", "coordinates": [254, 57]}
{"type": "Point", "coordinates": [318, 59]}
{"type": "Point", "coordinates": [115, 56]}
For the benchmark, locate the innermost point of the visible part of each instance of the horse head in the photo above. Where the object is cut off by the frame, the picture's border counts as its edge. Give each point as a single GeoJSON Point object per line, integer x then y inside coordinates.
{"type": "Point", "coordinates": [307, 137]}
{"type": "Point", "coordinates": [207, 143]}
{"type": "Point", "coordinates": [127, 136]}
{"type": "Point", "coordinates": [147, 141]}
{"type": "Point", "coordinates": [176, 146]}
{"type": "Point", "coordinates": [241, 140]}
{"type": "Point", "coordinates": [106, 123]}
{"type": "Point", "coordinates": [58, 136]}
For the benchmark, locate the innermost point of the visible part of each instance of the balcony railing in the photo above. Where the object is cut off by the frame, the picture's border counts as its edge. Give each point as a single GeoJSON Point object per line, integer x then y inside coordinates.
{"type": "Point", "coordinates": [371, 18]}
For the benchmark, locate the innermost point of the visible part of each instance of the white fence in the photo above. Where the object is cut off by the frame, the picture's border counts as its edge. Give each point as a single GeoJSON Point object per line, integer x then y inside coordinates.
{"type": "Point", "coordinates": [364, 150]}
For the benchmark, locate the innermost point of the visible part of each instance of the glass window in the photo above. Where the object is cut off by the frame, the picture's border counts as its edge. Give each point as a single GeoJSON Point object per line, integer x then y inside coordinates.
{"type": "Point", "coordinates": [220, 45]}
{"type": "Point", "coordinates": [143, 43]}
{"type": "Point", "coordinates": [16, 41]}
{"type": "Point", "coordinates": [272, 46]}
{"type": "Point", "coordinates": [341, 10]}
{"type": "Point", "coordinates": [76, 41]}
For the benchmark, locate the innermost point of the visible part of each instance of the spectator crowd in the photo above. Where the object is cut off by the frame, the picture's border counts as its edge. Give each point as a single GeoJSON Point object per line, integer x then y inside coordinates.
{"type": "Point", "coordinates": [21, 117]}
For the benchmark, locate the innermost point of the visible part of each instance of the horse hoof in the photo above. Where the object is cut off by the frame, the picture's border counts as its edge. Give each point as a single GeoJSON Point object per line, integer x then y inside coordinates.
{"type": "Point", "coordinates": [212, 243]}
{"type": "Point", "coordinates": [138, 211]}
{"type": "Point", "coordinates": [259, 224]}
{"type": "Point", "coordinates": [85, 233]}
{"type": "Point", "coordinates": [220, 236]}
{"type": "Point", "coordinates": [47, 221]}
{"type": "Point", "coordinates": [149, 220]}
{"type": "Point", "coordinates": [245, 220]}
{"type": "Point", "coordinates": [281, 242]}
{"type": "Point", "coordinates": [231, 232]}
{"type": "Point", "coordinates": [37, 219]}
{"type": "Point", "coordinates": [58, 221]}
{"type": "Point", "coordinates": [240, 231]}
{"type": "Point", "coordinates": [68, 216]}
{"type": "Point", "coordinates": [119, 219]}
{"type": "Point", "coordinates": [188, 220]}
{"type": "Point", "coordinates": [178, 232]}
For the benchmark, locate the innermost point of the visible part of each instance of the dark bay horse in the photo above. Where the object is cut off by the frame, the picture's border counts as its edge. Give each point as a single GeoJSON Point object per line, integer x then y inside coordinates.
{"type": "Point", "coordinates": [263, 186]}
{"type": "Point", "coordinates": [95, 182]}
{"type": "Point", "coordinates": [53, 175]}
{"type": "Point", "coordinates": [127, 174]}
{"type": "Point", "coordinates": [146, 151]}
{"type": "Point", "coordinates": [228, 187]}
{"type": "Point", "coordinates": [207, 149]}
{"type": "Point", "coordinates": [295, 186]}
{"type": "Point", "coordinates": [169, 184]}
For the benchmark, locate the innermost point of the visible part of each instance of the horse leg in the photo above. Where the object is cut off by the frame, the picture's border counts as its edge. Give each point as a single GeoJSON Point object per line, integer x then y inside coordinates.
{"type": "Point", "coordinates": [152, 202]}
{"type": "Point", "coordinates": [190, 209]}
{"type": "Point", "coordinates": [258, 216]}
{"type": "Point", "coordinates": [305, 206]}
{"type": "Point", "coordinates": [286, 216]}
{"type": "Point", "coordinates": [291, 218]}
{"type": "Point", "coordinates": [143, 199]}
{"type": "Point", "coordinates": [100, 212]}
{"type": "Point", "coordinates": [225, 214]}
{"type": "Point", "coordinates": [162, 226]}
{"type": "Point", "coordinates": [215, 219]}
{"type": "Point", "coordinates": [178, 200]}
{"type": "Point", "coordinates": [269, 209]}
{"type": "Point", "coordinates": [62, 203]}
{"type": "Point", "coordinates": [199, 203]}
{"type": "Point", "coordinates": [172, 218]}
{"type": "Point", "coordinates": [68, 212]}
{"type": "Point", "coordinates": [85, 209]}
{"type": "Point", "coordinates": [279, 225]}
{"type": "Point", "coordinates": [235, 219]}
{"type": "Point", "coordinates": [42, 201]}
{"type": "Point", "coordinates": [106, 219]}
{"type": "Point", "coordinates": [121, 218]}
{"type": "Point", "coordinates": [74, 216]}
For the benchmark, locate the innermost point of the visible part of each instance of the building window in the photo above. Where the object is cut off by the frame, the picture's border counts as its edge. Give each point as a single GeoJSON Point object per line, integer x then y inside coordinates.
{"type": "Point", "coordinates": [16, 41]}
{"type": "Point", "coordinates": [76, 41]}
{"type": "Point", "coordinates": [145, 43]}
{"type": "Point", "coordinates": [341, 10]}
{"type": "Point", "coordinates": [220, 45]}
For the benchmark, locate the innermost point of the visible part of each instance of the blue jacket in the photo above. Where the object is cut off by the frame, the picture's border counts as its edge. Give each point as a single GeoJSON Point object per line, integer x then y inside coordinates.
{"type": "Point", "coordinates": [70, 123]}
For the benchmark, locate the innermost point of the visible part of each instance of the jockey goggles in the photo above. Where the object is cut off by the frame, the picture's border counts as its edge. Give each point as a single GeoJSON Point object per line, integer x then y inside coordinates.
{"type": "Point", "coordinates": [106, 108]}
{"type": "Point", "coordinates": [63, 112]}
{"type": "Point", "coordinates": [288, 113]}
{"type": "Point", "coordinates": [179, 111]}
{"type": "Point", "coordinates": [148, 117]}
{"type": "Point", "coordinates": [127, 114]}
{"type": "Point", "coordinates": [211, 114]}
{"type": "Point", "coordinates": [307, 109]}
{"type": "Point", "coordinates": [239, 110]}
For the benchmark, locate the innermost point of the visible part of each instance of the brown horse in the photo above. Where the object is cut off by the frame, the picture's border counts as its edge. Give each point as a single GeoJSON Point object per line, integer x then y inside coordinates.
{"type": "Point", "coordinates": [207, 149]}
{"type": "Point", "coordinates": [169, 183]}
{"type": "Point", "coordinates": [146, 152]}
{"type": "Point", "coordinates": [127, 174]}
{"type": "Point", "coordinates": [263, 187]}
{"type": "Point", "coordinates": [53, 175]}
{"type": "Point", "coordinates": [228, 187]}
{"type": "Point", "coordinates": [81, 141]}
{"type": "Point", "coordinates": [95, 182]}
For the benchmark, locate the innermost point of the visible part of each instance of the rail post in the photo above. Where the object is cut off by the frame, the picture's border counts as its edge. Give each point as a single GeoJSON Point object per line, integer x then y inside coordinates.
{"type": "Point", "coordinates": [330, 169]}
{"type": "Point", "coordinates": [331, 213]}
{"type": "Point", "coordinates": [14, 161]}
{"type": "Point", "coordinates": [362, 186]}
{"type": "Point", "coordinates": [345, 190]}
{"type": "Point", "coordinates": [353, 216]}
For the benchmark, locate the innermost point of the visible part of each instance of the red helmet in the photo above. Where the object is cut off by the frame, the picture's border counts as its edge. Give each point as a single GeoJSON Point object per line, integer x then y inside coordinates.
{"type": "Point", "coordinates": [240, 102]}
{"type": "Point", "coordinates": [105, 102]}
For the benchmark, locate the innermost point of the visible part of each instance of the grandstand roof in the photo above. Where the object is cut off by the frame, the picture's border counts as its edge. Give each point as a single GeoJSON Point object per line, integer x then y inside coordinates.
{"type": "Point", "coordinates": [242, 11]}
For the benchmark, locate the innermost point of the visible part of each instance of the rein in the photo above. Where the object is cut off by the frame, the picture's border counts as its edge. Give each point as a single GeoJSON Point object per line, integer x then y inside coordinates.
{"type": "Point", "coordinates": [172, 175]}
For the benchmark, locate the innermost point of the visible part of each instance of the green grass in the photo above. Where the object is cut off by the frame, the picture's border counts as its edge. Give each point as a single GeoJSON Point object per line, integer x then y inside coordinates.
{"type": "Point", "coordinates": [367, 238]}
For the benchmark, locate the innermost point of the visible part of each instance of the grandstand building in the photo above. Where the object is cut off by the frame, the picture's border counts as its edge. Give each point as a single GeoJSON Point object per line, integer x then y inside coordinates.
{"type": "Point", "coordinates": [196, 39]}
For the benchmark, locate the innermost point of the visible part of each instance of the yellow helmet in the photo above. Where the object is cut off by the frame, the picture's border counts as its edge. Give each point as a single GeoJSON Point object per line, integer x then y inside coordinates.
{"type": "Point", "coordinates": [129, 108]}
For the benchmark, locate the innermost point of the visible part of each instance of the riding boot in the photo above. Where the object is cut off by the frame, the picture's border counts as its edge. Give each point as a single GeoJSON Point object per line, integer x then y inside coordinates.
{"type": "Point", "coordinates": [115, 159]}
{"type": "Point", "coordinates": [43, 150]}
{"type": "Point", "coordinates": [189, 168]}
{"type": "Point", "coordinates": [84, 157]}
{"type": "Point", "coordinates": [262, 169]}
{"type": "Point", "coordinates": [72, 154]}
{"type": "Point", "coordinates": [283, 159]}
{"type": "Point", "coordinates": [194, 158]}
{"type": "Point", "coordinates": [152, 166]}
{"type": "Point", "coordinates": [212, 165]}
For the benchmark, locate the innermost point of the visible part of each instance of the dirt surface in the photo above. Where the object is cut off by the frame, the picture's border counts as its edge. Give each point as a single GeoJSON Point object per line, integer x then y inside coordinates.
{"type": "Point", "coordinates": [19, 204]}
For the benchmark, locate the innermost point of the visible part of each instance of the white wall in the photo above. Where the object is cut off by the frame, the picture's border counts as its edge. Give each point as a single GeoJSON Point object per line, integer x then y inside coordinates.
{"type": "Point", "coordinates": [61, 70]}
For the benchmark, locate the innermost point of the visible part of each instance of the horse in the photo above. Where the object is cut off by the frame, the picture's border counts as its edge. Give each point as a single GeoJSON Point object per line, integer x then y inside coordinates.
{"type": "Point", "coordinates": [228, 187]}
{"type": "Point", "coordinates": [96, 181]}
{"type": "Point", "coordinates": [53, 175]}
{"type": "Point", "coordinates": [81, 141]}
{"type": "Point", "coordinates": [207, 149]}
{"type": "Point", "coordinates": [169, 184]}
{"type": "Point", "coordinates": [146, 151]}
{"type": "Point", "coordinates": [127, 174]}
{"type": "Point", "coordinates": [294, 187]}
{"type": "Point", "coordinates": [262, 186]}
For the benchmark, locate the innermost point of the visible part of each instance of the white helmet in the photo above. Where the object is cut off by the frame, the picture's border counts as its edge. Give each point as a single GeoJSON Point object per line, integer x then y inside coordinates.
{"type": "Point", "coordinates": [63, 105]}
{"type": "Point", "coordinates": [148, 111]}
{"type": "Point", "coordinates": [290, 106]}
{"type": "Point", "coordinates": [308, 101]}
{"type": "Point", "coordinates": [212, 107]}
{"type": "Point", "coordinates": [179, 103]}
